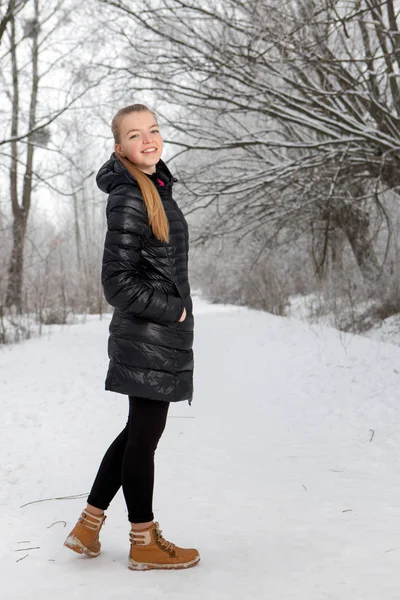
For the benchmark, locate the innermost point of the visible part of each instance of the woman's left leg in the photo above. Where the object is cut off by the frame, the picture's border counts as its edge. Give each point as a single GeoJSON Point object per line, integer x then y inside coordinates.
{"type": "Point", "coordinates": [147, 420]}
{"type": "Point", "coordinates": [128, 461]}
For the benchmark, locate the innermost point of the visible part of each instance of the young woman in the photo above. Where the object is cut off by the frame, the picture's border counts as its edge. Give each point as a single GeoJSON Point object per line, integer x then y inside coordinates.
{"type": "Point", "coordinates": [145, 278]}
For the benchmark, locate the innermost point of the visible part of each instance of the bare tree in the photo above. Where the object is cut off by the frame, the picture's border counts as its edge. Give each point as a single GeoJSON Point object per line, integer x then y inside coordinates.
{"type": "Point", "coordinates": [31, 60]}
{"type": "Point", "coordinates": [21, 212]}
{"type": "Point", "coordinates": [8, 10]}
{"type": "Point", "coordinates": [298, 102]}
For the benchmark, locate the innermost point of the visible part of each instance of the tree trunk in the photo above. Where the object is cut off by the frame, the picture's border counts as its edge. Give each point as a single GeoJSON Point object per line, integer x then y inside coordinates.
{"type": "Point", "coordinates": [13, 295]}
{"type": "Point", "coordinates": [15, 269]}
{"type": "Point", "coordinates": [21, 213]}
{"type": "Point", "coordinates": [354, 222]}
{"type": "Point", "coordinates": [77, 231]}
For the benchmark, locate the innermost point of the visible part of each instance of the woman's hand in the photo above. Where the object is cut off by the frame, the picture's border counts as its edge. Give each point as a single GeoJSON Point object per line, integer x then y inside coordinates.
{"type": "Point", "coordinates": [183, 316]}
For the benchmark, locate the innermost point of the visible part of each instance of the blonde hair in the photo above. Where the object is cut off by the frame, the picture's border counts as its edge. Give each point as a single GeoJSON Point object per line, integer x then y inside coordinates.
{"type": "Point", "coordinates": [155, 210]}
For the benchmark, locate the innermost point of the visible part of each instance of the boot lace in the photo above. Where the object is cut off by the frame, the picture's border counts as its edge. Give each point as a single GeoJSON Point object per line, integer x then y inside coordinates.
{"type": "Point", "coordinates": [92, 522]}
{"type": "Point", "coordinates": [162, 542]}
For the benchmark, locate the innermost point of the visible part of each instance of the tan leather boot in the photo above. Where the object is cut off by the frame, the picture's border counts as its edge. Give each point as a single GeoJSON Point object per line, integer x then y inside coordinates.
{"type": "Point", "coordinates": [149, 550]}
{"type": "Point", "coordinates": [84, 538]}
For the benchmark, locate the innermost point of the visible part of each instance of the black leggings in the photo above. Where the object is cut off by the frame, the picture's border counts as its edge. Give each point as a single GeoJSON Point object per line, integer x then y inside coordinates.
{"type": "Point", "coordinates": [129, 461]}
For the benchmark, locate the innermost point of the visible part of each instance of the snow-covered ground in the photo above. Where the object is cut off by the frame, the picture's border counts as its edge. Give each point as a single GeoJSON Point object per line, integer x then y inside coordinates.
{"type": "Point", "coordinates": [314, 308]}
{"type": "Point", "coordinates": [284, 472]}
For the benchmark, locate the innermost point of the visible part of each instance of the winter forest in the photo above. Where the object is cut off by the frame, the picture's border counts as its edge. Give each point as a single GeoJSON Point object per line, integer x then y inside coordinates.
{"type": "Point", "coordinates": [280, 119]}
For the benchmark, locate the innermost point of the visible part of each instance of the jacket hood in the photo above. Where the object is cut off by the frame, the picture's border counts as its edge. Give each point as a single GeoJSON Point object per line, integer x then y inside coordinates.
{"type": "Point", "coordinates": [113, 173]}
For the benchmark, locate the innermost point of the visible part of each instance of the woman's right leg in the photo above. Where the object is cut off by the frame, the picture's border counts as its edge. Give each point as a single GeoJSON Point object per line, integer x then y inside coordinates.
{"type": "Point", "coordinates": [84, 537]}
{"type": "Point", "coordinates": [130, 461]}
{"type": "Point", "coordinates": [108, 479]}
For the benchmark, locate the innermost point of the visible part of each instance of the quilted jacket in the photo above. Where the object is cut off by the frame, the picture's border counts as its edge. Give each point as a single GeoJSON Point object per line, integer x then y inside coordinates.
{"type": "Point", "coordinates": [146, 281]}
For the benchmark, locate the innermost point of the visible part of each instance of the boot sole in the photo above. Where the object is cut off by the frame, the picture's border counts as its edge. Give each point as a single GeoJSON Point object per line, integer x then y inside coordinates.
{"type": "Point", "coordinates": [133, 565]}
{"type": "Point", "coordinates": [73, 543]}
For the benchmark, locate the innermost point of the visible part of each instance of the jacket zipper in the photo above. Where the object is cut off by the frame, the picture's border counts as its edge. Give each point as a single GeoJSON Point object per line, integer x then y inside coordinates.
{"type": "Point", "coordinates": [183, 302]}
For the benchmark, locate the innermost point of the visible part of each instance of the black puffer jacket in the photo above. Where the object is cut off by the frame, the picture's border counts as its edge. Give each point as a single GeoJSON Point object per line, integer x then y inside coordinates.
{"type": "Point", "coordinates": [146, 281]}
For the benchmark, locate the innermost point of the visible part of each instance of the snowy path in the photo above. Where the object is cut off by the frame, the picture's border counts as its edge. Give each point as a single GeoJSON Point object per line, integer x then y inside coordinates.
{"type": "Point", "coordinates": [284, 472]}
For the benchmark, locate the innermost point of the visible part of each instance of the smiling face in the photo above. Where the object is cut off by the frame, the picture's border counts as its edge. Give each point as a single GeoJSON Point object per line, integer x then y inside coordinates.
{"type": "Point", "coordinates": [140, 140]}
